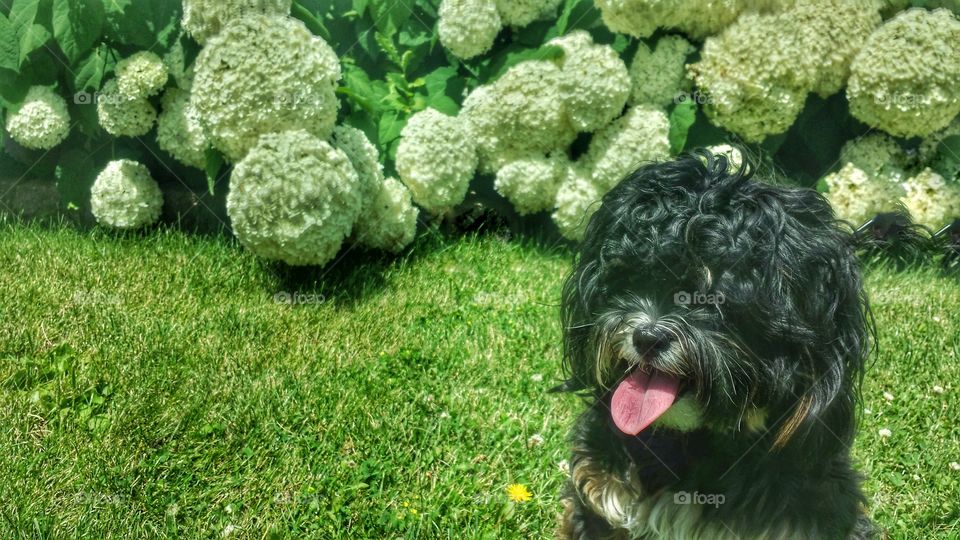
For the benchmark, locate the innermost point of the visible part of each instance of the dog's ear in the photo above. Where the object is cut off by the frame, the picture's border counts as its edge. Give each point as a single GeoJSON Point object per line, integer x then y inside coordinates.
{"type": "Point", "coordinates": [829, 316]}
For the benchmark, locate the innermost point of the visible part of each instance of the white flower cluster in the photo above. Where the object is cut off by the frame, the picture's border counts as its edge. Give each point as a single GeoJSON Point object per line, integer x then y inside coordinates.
{"type": "Point", "coordinates": [594, 82]}
{"type": "Point", "coordinates": [520, 13]}
{"type": "Point", "coordinates": [389, 222]}
{"type": "Point", "coordinates": [41, 121]}
{"type": "Point", "coordinates": [659, 75]}
{"type": "Point", "coordinates": [141, 75]}
{"type": "Point", "coordinates": [697, 18]}
{"type": "Point", "coordinates": [856, 196]}
{"type": "Point", "coordinates": [906, 79]}
{"type": "Point", "coordinates": [436, 160]}
{"type": "Point", "coordinates": [878, 155]}
{"type": "Point", "coordinates": [468, 28]}
{"type": "Point", "coordinates": [179, 132]}
{"type": "Point", "coordinates": [264, 74]}
{"type": "Point", "coordinates": [521, 113]}
{"type": "Point", "coordinates": [756, 73]}
{"type": "Point", "coordinates": [125, 196]}
{"type": "Point", "coordinates": [122, 116]}
{"type": "Point", "coordinates": [531, 184]}
{"type": "Point", "coordinates": [388, 219]}
{"type": "Point", "coordinates": [203, 19]}
{"type": "Point", "coordinates": [577, 200]}
{"type": "Point", "coordinates": [641, 135]}
{"type": "Point", "coordinates": [294, 198]}
{"type": "Point", "coordinates": [931, 200]}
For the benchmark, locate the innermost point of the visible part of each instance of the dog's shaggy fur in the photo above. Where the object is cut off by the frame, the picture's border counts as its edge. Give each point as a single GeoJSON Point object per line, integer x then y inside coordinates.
{"type": "Point", "coordinates": [750, 296]}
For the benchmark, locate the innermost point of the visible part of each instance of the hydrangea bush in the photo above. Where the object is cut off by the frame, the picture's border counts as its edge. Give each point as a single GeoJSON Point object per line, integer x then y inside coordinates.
{"type": "Point", "coordinates": [330, 123]}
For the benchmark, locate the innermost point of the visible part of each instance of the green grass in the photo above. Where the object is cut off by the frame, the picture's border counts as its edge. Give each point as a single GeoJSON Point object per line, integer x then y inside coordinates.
{"type": "Point", "coordinates": [151, 386]}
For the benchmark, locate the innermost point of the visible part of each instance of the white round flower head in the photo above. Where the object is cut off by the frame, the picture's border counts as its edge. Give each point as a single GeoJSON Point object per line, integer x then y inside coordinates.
{"type": "Point", "coordinates": [659, 76]}
{"type": "Point", "coordinates": [203, 19]}
{"type": "Point", "coordinates": [876, 154]}
{"type": "Point", "coordinates": [125, 196]}
{"type": "Point", "coordinates": [293, 198]}
{"type": "Point", "coordinates": [520, 13]}
{"type": "Point", "coordinates": [390, 221]}
{"type": "Point", "coordinates": [364, 157]}
{"type": "Point", "coordinates": [179, 132]}
{"type": "Point", "coordinates": [265, 74]}
{"type": "Point", "coordinates": [733, 155]}
{"type": "Point", "coordinates": [745, 75]}
{"type": "Point", "coordinates": [594, 82]}
{"type": "Point", "coordinates": [906, 79]}
{"type": "Point", "coordinates": [522, 113]}
{"type": "Point", "coordinates": [41, 121]}
{"type": "Point", "coordinates": [577, 200]}
{"type": "Point", "coordinates": [121, 116]}
{"type": "Point", "coordinates": [468, 28]}
{"type": "Point", "coordinates": [531, 184]}
{"type": "Point", "coordinates": [141, 75]}
{"type": "Point", "coordinates": [856, 196]}
{"type": "Point", "coordinates": [436, 160]}
{"type": "Point", "coordinates": [696, 18]}
{"type": "Point", "coordinates": [932, 201]}
{"type": "Point", "coordinates": [642, 134]}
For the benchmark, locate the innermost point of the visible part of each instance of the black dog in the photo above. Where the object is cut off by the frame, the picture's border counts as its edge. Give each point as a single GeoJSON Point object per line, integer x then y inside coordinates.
{"type": "Point", "coordinates": [720, 329]}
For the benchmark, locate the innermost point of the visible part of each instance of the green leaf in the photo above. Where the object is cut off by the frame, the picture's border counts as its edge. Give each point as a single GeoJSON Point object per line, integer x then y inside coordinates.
{"type": "Point", "coordinates": [517, 55]}
{"type": "Point", "coordinates": [947, 161]}
{"type": "Point", "coordinates": [822, 186]}
{"type": "Point", "coordinates": [564, 20]}
{"type": "Point", "coordinates": [76, 26]}
{"type": "Point", "coordinates": [26, 17]}
{"type": "Point", "coordinates": [389, 15]}
{"type": "Point", "coordinates": [9, 46]}
{"type": "Point", "coordinates": [683, 115]}
{"type": "Point", "coordinates": [147, 24]}
{"type": "Point", "coordinates": [212, 168]}
{"type": "Point", "coordinates": [390, 127]}
{"type": "Point", "coordinates": [312, 22]}
{"type": "Point", "coordinates": [89, 73]}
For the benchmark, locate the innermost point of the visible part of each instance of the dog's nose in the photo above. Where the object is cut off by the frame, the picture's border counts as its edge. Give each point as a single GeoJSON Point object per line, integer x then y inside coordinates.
{"type": "Point", "coordinates": [651, 341]}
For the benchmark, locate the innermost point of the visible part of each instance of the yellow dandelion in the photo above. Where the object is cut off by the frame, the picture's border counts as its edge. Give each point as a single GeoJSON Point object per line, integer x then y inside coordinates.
{"type": "Point", "coordinates": [518, 493]}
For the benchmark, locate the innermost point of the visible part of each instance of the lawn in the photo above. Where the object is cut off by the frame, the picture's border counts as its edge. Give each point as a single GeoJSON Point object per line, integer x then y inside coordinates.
{"type": "Point", "coordinates": [162, 385]}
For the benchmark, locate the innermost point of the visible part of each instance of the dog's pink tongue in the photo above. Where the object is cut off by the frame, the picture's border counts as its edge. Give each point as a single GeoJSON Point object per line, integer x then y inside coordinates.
{"type": "Point", "coordinates": [641, 398]}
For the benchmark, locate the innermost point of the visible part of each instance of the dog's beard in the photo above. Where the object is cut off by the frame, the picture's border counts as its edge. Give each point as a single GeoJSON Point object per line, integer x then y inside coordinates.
{"type": "Point", "coordinates": [697, 372]}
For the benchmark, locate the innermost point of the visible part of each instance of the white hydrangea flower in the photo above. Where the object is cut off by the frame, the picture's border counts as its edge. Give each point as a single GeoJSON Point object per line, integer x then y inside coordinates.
{"type": "Point", "coordinates": [594, 82]}
{"type": "Point", "coordinates": [179, 132]}
{"type": "Point", "coordinates": [640, 18]}
{"type": "Point", "coordinates": [41, 121]}
{"type": "Point", "coordinates": [756, 74]}
{"type": "Point", "coordinates": [641, 135]}
{"type": "Point", "coordinates": [121, 116]}
{"type": "Point", "coordinates": [878, 155]}
{"type": "Point", "coordinates": [908, 87]}
{"type": "Point", "coordinates": [520, 13]}
{"type": "Point", "coordinates": [364, 157]}
{"type": "Point", "coordinates": [265, 74]}
{"type": "Point", "coordinates": [522, 113]}
{"type": "Point", "coordinates": [659, 76]}
{"type": "Point", "coordinates": [436, 160]}
{"type": "Point", "coordinates": [141, 75]}
{"type": "Point", "coordinates": [390, 221]}
{"type": "Point", "coordinates": [125, 196]}
{"type": "Point", "coordinates": [856, 196]}
{"type": "Point", "coordinates": [203, 19]}
{"type": "Point", "coordinates": [294, 198]}
{"type": "Point", "coordinates": [931, 200]}
{"type": "Point", "coordinates": [577, 200]}
{"type": "Point", "coordinates": [468, 28]}
{"type": "Point", "coordinates": [531, 184]}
